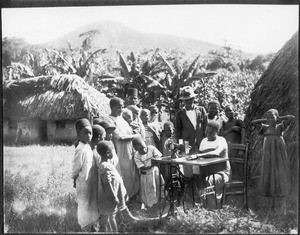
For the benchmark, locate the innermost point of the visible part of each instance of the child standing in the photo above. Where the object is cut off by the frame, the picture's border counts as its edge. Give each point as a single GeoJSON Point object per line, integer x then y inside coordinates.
{"type": "Point", "coordinates": [112, 195]}
{"type": "Point", "coordinates": [98, 135]}
{"type": "Point", "coordinates": [149, 174]}
{"type": "Point", "coordinates": [109, 129]}
{"type": "Point", "coordinates": [152, 134]}
{"type": "Point", "coordinates": [84, 175]}
{"type": "Point", "coordinates": [275, 178]}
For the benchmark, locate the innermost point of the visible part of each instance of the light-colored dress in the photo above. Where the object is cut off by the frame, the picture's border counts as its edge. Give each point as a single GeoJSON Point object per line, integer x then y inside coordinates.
{"type": "Point", "coordinates": [107, 173]}
{"type": "Point", "coordinates": [124, 149]}
{"type": "Point", "coordinates": [85, 172]}
{"type": "Point", "coordinates": [149, 178]}
{"type": "Point", "coordinates": [275, 177]}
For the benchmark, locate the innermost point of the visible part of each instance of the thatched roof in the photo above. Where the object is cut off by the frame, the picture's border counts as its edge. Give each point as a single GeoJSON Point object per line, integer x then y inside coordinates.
{"type": "Point", "coordinates": [277, 88]}
{"type": "Point", "coordinates": [59, 97]}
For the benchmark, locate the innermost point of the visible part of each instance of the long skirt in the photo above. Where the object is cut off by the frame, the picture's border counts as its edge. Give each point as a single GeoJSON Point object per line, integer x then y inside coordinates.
{"type": "Point", "coordinates": [275, 177]}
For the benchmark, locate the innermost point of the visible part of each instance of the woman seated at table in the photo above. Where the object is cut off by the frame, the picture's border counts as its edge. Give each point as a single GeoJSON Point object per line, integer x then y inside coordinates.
{"type": "Point", "coordinates": [215, 146]}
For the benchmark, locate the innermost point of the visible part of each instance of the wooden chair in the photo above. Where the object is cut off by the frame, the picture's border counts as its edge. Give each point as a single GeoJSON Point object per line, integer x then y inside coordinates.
{"type": "Point", "coordinates": [239, 185]}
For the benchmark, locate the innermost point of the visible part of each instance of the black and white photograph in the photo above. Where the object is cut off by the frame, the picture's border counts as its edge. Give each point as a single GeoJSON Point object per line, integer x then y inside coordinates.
{"type": "Point", "coordinates": [150, 118]}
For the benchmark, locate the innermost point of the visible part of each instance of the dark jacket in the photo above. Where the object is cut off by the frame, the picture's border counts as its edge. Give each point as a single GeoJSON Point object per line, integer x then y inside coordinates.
{"type": "Point", "coordinates": [185, 130]}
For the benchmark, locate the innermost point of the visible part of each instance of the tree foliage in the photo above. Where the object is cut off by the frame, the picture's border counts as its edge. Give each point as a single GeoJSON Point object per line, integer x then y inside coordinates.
{"type": "Point", "coordinates": [158, 74]}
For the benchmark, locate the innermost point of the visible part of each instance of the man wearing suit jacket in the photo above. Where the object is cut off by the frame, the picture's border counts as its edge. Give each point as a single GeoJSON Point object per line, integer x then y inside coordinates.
{"type": "Point", "coordinates": [190, 122]}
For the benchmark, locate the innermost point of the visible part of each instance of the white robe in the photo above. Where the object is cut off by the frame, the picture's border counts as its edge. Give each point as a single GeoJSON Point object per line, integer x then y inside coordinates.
{"type": "Point", "coordinates": [124, 149]}
{"type": "Point", "coordinates": [84, 170]}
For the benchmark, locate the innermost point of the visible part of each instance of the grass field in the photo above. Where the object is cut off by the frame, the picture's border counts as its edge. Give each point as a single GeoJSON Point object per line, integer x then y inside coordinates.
{"type": "Point", "coordinates": [39, 197]}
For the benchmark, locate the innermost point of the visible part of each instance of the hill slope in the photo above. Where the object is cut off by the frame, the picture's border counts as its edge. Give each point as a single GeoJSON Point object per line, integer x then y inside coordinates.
{"type": "Point", "coordinates": [115, 36]}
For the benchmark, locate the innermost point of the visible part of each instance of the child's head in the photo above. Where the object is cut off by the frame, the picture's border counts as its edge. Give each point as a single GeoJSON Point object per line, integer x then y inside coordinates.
{"type": "Point", "coordinates": [135, 111]}
{"type": "Point", "coordinates": [127, 115]}
{"type": "Point", "coordinates": [84, 130]}
{"type": "Point", "coordinates": [105, 150]}
{"type": "Point", "coordinates": [145, 116]}
{"type": "Point", "coordinates": [139, 144]}
{"type": "Point", "coordinates": [109, 129]}
{"type": "Point", "coordinates": [154, 112]}
{"type": "Point", "coordinates": [98, 134]}
{"type": "Point", "coordinates": [116, 106]}
{"type": "Point", "coordinates": [228, 109]}
{"type": "Point", "coordinates": [96, 120]}
{"type": "Point", "coordinates": [271, 116]}
{"type": "Point", "coordinates": [132, 96]}
{"type": "Point", "coordinates": [213, 107]}
{"type": "Point", "coordinates": [168, 129]}
{"type": "Point", "coordinates": [212, 130]}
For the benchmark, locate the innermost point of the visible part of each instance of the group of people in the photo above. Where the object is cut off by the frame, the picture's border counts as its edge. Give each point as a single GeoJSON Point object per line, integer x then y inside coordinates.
{"type": "Point", "coordinates": [113, 157]}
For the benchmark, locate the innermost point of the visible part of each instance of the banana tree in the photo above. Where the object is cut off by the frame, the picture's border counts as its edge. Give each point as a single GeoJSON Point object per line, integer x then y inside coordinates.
{"type": "Point", "coordinates": [136, 74]}
{"type": "Point", "coordinates": [178, 77]}
{"type": "Point", "coordinates": [157, 80]}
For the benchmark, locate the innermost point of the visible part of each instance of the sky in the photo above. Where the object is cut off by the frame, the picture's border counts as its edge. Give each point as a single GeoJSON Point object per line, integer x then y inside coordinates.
{"type": "Point", "coordinates": [251, 28]}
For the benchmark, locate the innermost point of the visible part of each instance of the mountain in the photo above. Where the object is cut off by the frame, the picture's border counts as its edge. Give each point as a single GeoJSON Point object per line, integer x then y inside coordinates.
{"type": "Point", "coordinates": [115, 36]}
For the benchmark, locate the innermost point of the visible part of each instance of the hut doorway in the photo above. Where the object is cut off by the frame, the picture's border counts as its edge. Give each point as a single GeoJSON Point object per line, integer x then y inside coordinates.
{"type": "Point", "coordinates": [43, 136]}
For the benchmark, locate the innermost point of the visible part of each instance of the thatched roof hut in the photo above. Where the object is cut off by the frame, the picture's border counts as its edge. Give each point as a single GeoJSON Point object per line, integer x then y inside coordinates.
{"type": "Point", "coordinates": [52, 98]}
{"type": "Point", "coordinates": [277, 88]}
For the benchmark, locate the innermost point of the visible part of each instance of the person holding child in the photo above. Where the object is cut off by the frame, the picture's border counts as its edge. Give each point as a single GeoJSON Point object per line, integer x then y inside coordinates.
{"type": "Point", "coordinates": [122, 138]}
{"type": "Point", "coordinates": [137, 120]}
{"type": "Point", "coordinates": [112, 195]}
{"type": "Point", "coordinates": [275, 172]}
{"type": "Point", "coordinates": [149, 174]}
{"type": "Point", "coordinates": [84, 174]}
{"type": "Point", "coordinates": [127, 114]}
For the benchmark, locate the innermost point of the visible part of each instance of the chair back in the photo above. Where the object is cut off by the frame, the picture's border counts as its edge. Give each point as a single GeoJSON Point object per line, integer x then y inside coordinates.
{"type": "Point", "coordinates": [238, 158]}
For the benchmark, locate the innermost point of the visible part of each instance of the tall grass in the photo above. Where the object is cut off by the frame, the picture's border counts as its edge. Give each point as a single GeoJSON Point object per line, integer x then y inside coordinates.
{"type": "Point", "coordinates": [39, 197]}
{"type": "Point", "coordinates": [38, 193]}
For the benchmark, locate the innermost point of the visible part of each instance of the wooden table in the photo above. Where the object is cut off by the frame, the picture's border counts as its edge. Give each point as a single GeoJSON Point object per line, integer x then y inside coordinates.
{"type": "Point", "coordinates": [207, 166]}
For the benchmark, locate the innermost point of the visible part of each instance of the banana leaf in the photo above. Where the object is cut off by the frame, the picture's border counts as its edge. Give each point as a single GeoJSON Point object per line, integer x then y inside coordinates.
{"type": "Point", "coordinates": [150, 82]}
{"type": "Point", "coordinates": [70, 65]}
{"type": "Point", "coordinates": [124, 65]}
{"type": "Point", "coordinates": [170, 68]}
{"type": "Point", "coordinates": [193, 65]}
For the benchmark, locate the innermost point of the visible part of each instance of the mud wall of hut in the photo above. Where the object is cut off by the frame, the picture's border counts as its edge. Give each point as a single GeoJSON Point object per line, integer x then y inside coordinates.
{"type": "Point", "coordinates": [35, 131]}
{"type": "Point", "coordinates": [61, 132]}
{"type": "Point", "coordinates": [17, 132]}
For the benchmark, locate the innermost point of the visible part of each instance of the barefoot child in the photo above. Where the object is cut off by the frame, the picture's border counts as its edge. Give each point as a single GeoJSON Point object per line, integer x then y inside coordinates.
{"type": "Point", "coordinates": [149, 174]}
{"type": "Point", "coordinates": [275, 178]}
{"type": "Point", "coordinates": [112, 195]}
{"type": "Point", "coordinates": [84, 175]}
